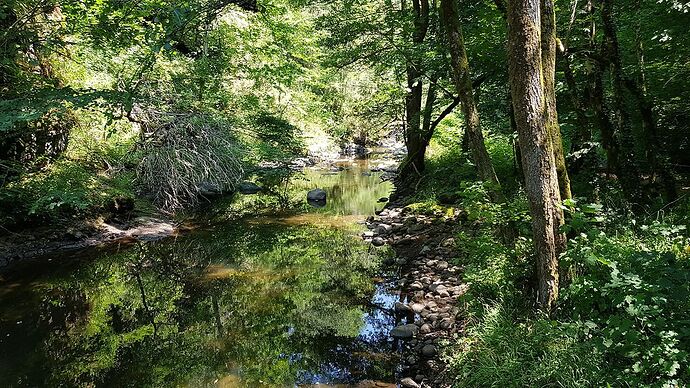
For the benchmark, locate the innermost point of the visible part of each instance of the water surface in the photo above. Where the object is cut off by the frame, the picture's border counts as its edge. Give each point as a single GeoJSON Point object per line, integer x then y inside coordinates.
{"type": "Point", "coordinates": [280, 300]}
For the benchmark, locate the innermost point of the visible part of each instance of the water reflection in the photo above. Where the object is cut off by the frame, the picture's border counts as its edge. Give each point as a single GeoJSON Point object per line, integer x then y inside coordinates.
{"type": "Point", "coordinates": [351, 189]}
{"type": "Point", "coordinates": [246, 303]}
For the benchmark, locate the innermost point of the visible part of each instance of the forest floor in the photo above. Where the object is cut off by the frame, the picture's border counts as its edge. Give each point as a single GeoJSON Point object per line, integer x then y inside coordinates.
{"type": "Point", "coordinates": [429, 287]}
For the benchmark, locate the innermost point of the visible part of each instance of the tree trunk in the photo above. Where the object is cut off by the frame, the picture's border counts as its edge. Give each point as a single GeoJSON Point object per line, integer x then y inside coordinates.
{"type": "Point", "coordinates": [548, 58]}
{"type": "Point", "coordinates": [463, 85]}
{"type": "Point", "coordinates": [541, 180]}
{"type": "Point", "coordinates": [583, 132]}
{"type": "Point", "coordinates": [628, 169]}
{"type": "Point", "coordinates": [414, 162]}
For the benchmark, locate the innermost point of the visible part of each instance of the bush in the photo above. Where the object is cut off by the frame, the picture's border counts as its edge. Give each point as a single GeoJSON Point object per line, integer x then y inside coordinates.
{"type": "Point", "coordinates": [632, 302]}
{"type": "Point", "coordinates": [181, 152]}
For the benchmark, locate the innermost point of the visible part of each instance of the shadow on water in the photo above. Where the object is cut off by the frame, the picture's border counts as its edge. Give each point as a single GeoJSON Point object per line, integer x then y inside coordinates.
{"type": "Point", "coordinates": [271, 301]}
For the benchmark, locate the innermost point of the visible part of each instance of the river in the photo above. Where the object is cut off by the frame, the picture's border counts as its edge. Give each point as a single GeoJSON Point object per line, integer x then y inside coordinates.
{"type": "Point", "coordinates": [280, 300]}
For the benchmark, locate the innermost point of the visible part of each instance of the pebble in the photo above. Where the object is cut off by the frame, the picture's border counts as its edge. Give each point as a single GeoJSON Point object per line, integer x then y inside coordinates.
{"type": "Point", "coordinates": [378, 241]}
{"type": "Point", "coordinates": [407, 382]}
{"type": "Point", "coordinates": [417, 307]}
{"type": "Point", "coordinates": [402, 308]}
{"type": "Point", "coordinates": [428, 351]}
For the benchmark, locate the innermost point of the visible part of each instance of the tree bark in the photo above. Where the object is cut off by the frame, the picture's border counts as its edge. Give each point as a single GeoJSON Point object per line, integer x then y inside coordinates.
{"type": "Point", "coordinates": [414, 162]}
{"type": "Point", "coordinates": [548, 58]}
{"type": "Point", "coordinates": [541, 181]}
{"type": "Point", "coordinates": [628, 169]}
{"type": "Point", "coordinates": [463, 85]}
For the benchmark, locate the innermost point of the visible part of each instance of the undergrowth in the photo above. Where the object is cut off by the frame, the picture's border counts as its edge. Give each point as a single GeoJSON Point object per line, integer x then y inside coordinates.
{"type": "Point", "coordinates": [624, 319]}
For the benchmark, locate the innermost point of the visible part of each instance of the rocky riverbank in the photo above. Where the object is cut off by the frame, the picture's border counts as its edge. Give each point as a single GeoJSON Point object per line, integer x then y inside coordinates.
{"type": "Point", "coordinates": [429, 286]}
{"type": "Point", "coordinates": [76, 235]}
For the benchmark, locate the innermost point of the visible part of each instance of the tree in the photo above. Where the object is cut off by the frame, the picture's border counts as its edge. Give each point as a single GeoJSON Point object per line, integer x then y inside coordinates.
{"type": "Point", "coordinates": [548, 58]}
{"type": "Point", "coordinates": [463, 85]}
{"type": "Point", "coordinates": [541, 181]}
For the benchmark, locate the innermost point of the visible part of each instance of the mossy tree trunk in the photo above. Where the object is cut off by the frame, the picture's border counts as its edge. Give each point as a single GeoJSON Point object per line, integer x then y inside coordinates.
{"type": "Point", "coordinates": [463, 85]}
{"type": "Point", "coordinates": [541, 180]}
{"type": "Point", "coordinates": [548, 58]}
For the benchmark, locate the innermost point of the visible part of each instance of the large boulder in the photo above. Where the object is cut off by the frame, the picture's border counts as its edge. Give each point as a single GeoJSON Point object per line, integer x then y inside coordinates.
{"type": "Point", "coordinates": [316, 195]}
{"type": "Point", "coordinates": [248, 188]}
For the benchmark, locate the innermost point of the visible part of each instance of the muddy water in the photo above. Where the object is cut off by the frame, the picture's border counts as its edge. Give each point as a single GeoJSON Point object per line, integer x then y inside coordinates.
{"type": "Point", "coordinates": [283, 300]}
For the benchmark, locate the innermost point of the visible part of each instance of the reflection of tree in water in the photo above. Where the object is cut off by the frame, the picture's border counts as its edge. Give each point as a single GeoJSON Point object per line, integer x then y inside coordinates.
{"type": "Point", "coordinates": [261, 302]}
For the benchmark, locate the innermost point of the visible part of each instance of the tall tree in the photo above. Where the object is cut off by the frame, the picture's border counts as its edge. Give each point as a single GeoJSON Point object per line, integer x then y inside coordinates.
{"type": "Point", "coordinates": [548, 58]}
{"type": "Point", "coordinates": [463, 85]}
{"type": "Point", "coordinates": [541, 181]}
{"type": "Point", "coordinates": [414, 134]}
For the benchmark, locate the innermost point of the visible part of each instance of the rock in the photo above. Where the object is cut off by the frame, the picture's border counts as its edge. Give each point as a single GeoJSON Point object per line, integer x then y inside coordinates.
{"type": "Point", "coordinates": [383, 229]}
{"type": "Point", "coordinates": [424, 250]}
{"type": "Point", "coordinates": [317, 195]}
{"type": "Point", "coordinates": [248, 188]}
{"type": "Point", "coordinates": [404, 331]}
{"type": "Point", "coordinates": [429, 351]}
{"type": "Point", "coordinates": [402, 308]}
{"type": "Point", "coordinates": [382, 199]}
{"type": "Point", "coordinates": [378, 241]}
{"type": "Point", "coordinates": [442, 265]}
{"type": "Point", "coordinates": [449, 242]}
{"type": "Point", "coordinates": [417, 307]}
{"type": "Point", "coordinates": [446, 323]}
{"type": "Point", "coordinates": [416, 286]}
{"type": "Point", "coordinates": [425, 329]}
{"type": "Point", "coordinates": [368, 234]}
{"type": "Point", "coordinates": [407, 382]}
{"type": "Point", "coordinates": [415, 228]}
{"type": "Point", "coordinates": [209, 189]}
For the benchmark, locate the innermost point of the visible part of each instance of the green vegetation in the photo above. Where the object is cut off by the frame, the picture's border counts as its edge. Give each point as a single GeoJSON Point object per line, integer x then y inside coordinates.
{"type": "Point", "coordinates": [558, 128]}
{"type": "Point", "coordinates": [622, 320]}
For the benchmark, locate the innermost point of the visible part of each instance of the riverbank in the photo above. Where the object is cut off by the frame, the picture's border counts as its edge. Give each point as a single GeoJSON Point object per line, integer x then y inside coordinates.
{"type": "Point", "coordinates": [429, 286]}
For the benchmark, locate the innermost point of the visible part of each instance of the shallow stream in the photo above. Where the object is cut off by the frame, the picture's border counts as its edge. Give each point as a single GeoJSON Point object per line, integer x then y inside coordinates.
{"type": "Point", "coordinates": [280, 300]}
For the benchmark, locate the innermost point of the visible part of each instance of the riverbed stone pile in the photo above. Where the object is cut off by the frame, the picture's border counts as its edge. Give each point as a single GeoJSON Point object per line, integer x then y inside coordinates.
{"type": "Point", "coordinates": [429, 286]}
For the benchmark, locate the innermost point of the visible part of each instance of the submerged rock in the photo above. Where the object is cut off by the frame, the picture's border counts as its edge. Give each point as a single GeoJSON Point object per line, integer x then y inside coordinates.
{"type": "Point", "coordinates": [317, 197]}
{"type": "Point", "coordinates": [248, 188]}
{"type": "Point", "coordinates": [404, 331]}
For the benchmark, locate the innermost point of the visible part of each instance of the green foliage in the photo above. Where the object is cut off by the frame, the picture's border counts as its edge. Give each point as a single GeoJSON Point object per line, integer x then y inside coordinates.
{"type": "Point", "coordinates": [631, 302]}
{"type": "Point", "coordinates": [65, 189]}
{"type": "Point", "coordinates": [506, 351]}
